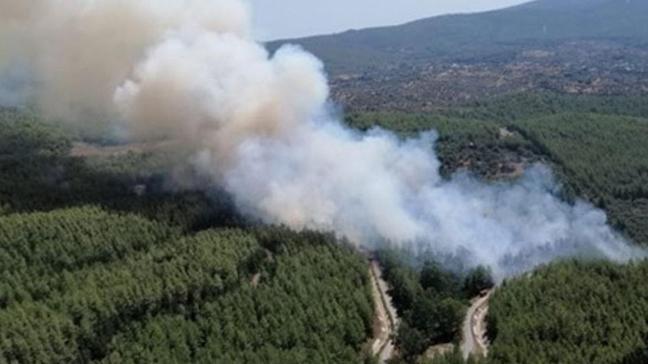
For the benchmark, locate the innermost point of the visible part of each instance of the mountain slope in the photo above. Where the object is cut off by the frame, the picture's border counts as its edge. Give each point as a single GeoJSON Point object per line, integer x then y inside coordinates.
{"type": "Point", "coordinates": [592, 47]}
{"type": "Point", "coordinates": [481, 35]}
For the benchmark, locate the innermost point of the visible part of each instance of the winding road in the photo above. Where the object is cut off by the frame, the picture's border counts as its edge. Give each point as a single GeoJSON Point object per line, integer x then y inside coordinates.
{"type": "Point", "coordinates": [386, 316]}
{"type": "Point", "coordinates": [474, 328]}
{"type": "Point", "coordinates": [474, 341]}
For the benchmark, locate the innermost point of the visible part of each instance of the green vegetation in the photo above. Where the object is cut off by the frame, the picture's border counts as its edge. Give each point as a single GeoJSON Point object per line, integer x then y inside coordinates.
{"type": "Point", "coordinates": [312, 304]}
{"type": "Point", "coordinates": [522, 106]}
{"type": "Point", "coordinates": [604, 159]}
{"type": "Point", "coordinates": [431, 301]}
{"type": "Point", "coordinates": [477, 281]}
{"type": "Point", "coordinates": [572, 312]}
{"type": "Point", "coordinates": [38, 174]}
{"type": "Point", "coordinates": [596, 145]}
{"type": "Point", "coordinates": [85, 285]}
{"type": "Point", "coordinates": [95, 268]}
{"type": "Point", "coordinates": [38, 249]}
{"type": "Point", "coordinates": [462, 142]}
{"type": "Point", "coordinates": [454, 357]}
{"type": "Point", "coordinates": [569, 312]}
{"type": "Point", "coordinates": [95, 271]}
{"type": "Point", "coordinates": [481, 37]}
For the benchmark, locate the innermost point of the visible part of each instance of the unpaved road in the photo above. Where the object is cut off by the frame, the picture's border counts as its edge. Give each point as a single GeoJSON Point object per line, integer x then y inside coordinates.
{"type": "Point", "coordinates": [386, 316]}
{"type": "Point", "coordinates": [474, 328]}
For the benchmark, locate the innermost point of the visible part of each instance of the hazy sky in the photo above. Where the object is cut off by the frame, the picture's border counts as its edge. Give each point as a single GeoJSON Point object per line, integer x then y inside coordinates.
{"type": "Point", "coordinates": [294, 18]}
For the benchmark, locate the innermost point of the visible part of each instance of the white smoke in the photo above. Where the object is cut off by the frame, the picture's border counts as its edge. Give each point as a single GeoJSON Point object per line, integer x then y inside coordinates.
{"type": "Point", "coordinates": [375, 188]}
{"type": "Point", "coordinates": [259, 127]}
{"type": "Point", "coordinates": [82, 50]}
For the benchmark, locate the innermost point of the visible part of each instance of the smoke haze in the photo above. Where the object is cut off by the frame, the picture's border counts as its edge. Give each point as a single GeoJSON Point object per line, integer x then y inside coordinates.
{"type": "Point", "coordinates": [258, 126]}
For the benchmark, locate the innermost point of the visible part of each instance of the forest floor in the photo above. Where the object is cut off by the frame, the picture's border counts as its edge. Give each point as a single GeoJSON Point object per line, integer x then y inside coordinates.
{"type": "Point", "coordinates": [474, 328]}
{"type": "Point", "coordinates": [386, 321]}
{"type": "Point", "coordinates": [81, 149]}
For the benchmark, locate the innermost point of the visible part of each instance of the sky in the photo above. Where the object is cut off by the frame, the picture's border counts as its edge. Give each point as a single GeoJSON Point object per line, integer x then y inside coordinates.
{"type": "Point", "coordinates": [277, 19]}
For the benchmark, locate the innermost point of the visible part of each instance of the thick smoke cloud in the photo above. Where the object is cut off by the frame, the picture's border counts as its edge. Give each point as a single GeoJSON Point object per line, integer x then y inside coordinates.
{"type": "Point", "coordinates": [82, 50]}
{"type": "Point", "coordinates": [258, 126]}
{"type": "Point", "coordinates": [375, 188]}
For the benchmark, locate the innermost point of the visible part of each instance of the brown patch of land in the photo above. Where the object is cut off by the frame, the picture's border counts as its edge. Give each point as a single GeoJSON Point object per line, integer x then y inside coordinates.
{"type": "Point", "coordinates": [81, 149]}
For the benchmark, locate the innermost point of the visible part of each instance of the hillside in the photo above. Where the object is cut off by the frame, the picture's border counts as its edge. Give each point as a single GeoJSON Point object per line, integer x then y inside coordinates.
{"type": "Point", "coordinates": [576, 47]}
{"type": "Point", "coordinates": [97, 270]}
{"type": "Point", "coordinates": [569, 311]}
{"type": "Point", "coordinates": [595, 144]}
{"type": "Point", "coordinates": [210, 211]}
{"type": "Point", "coordinates": [572, 311]}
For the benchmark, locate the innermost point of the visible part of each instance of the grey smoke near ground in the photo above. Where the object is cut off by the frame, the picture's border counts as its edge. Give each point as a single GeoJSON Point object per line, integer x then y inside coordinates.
{"type": "Point", "coordinates": [15, 86]}
{"type": "Point", "coordinates": [375, 188]}
{"type": "Point", "coordinates": [258, 127]}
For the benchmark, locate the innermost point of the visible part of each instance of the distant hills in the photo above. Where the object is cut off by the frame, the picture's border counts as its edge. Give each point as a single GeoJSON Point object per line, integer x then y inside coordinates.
{"type": "Point", "coordinates": [592, 40]}
{"type": "Point", "coordinates": [464, 37]}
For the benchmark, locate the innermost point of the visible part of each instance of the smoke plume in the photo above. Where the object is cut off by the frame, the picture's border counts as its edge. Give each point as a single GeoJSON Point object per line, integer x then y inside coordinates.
{"type": "Point", "coordinates": [259, 127]}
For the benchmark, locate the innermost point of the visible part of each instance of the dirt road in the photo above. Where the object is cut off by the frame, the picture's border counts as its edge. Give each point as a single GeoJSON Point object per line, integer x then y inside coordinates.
{"type": "Point", "coordinates": [474, 328]}
{"type": "Point", "coordinates": [386, 316]}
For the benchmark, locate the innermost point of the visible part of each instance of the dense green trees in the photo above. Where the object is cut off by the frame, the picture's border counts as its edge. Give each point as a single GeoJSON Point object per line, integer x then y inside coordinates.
{"type": "Point", "coordinates": [464, 141]}
{"type": "Point", "coordinates": [603, 159]}
{"type": "Point", "coordinates": [38, 173]}
{"type": "Point", "coordinates": [90, 271]}
{"type": "Point", "coordinates": [595, 144]}
{"type": "Point", "coordinates": [478, 280]}
{"type": "Point", "coordinates": [529, 105]}
{"type": "Point", "coordinates": [431, 300]}
{"type": "Point", "coordinates": [92, 297]}
{"type": "Point", "coordinates": [304, 309]}
{"type": "Point", "coordinates": [454, 357]}
{"type": "Point", "coordinates": [37, 250]}
{"type": "Point", "coordinates": [572, 312]}
{"type": "Point", "coordinates": [597, 147]}
{"type": "Point", "coordinates": [82, 284]}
